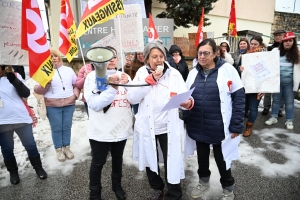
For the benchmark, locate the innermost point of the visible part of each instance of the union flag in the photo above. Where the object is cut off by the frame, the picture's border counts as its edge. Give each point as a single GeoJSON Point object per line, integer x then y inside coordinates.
{"type": "Point", "coordinates": [97, 12]}
{"type": "Point", "coordinates": [152, 33]}
{"type": "Point", "coordinates": [33, 40]}
{"type": "Point", "coordinates": [67, 31]}
{"type": "Point", "coordinates": [232, 21]}
{"type": "Point", "coordinates": [199, 36]}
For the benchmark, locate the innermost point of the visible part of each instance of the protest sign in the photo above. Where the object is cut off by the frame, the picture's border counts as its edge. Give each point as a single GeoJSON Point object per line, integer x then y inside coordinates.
{"type": "Point", "coordinates": [112, 41]}
{"type": "Point", "coordinates": [140, 2]}
{"type": "Point", "coordinates": [183, 44]}
{"type": "Point", "coordinates": [261, 72]}
{"type": "Point", "coordinates": [130, 26]}
{"type": "Point", "coordinates": [10, 31]}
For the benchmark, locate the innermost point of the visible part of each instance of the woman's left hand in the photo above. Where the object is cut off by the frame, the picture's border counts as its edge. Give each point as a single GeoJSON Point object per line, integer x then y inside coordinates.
{"type": "Point", "coordinates": [124, 78]}
{"type": "Point", "coordinates": [187, 104]}
{"type": "Point", "coordinates": [234, 135]}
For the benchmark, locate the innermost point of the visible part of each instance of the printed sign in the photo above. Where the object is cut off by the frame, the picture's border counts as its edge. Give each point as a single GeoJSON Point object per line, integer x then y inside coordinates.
{"type": "Point", "coordinates": [10, 31]}
{"type": "Point", "coordinates": [140, 2]}
{"type": "Point", "coordinates": [261, 72]}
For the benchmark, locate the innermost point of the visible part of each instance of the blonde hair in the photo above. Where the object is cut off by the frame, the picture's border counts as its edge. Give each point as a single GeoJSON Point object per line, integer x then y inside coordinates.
{"type": "Point", "coordinates": [56, 53]}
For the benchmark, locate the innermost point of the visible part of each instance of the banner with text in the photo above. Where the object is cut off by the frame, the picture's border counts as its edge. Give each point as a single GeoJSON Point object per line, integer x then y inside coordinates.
{"type": "Point", "coordinates": [164, 28]}
{"type": "Point", "coordinates": [10, 30]}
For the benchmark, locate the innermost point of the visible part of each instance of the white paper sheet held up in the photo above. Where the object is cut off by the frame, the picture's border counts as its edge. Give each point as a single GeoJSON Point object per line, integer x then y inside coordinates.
{"type": "Point", "coordinates": [178, 99]}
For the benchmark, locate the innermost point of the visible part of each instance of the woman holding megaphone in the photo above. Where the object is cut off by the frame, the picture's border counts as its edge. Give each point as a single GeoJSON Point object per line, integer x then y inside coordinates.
{"type": "Point", "coordinates": [110, 124]}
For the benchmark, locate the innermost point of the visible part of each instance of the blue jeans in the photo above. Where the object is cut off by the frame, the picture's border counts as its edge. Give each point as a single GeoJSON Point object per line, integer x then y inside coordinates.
{"type": "Point", "coordinates": [252, 105]}
{"type": "Point", "coordinates": [26, 136]}
{"type": "Point", "coordinates": [287, 94]}
{"type": "Point", "coordinates": [60, 119]}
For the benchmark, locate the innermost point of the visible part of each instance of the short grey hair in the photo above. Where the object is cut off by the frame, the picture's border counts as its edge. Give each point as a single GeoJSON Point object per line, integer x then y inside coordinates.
{"type": "Point", "coordinates": [155, 44]}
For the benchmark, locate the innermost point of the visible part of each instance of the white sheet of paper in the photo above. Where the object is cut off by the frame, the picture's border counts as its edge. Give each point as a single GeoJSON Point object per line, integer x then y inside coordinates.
{"type": "Point", "coordinates": [229, 150]}
{"type": "Point", "coordinates": [178, 99]}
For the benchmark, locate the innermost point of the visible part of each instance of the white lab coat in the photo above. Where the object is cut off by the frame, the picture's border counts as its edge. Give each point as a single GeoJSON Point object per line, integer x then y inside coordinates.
{"type": "Point", "coordinates": [144, 144]}
{"type": "Point", "coordinates": [226, 73]}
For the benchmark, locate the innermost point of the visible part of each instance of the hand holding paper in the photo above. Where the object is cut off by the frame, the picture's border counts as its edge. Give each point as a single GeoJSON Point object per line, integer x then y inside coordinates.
{"type": "Point", "coordinates": [178, 99]}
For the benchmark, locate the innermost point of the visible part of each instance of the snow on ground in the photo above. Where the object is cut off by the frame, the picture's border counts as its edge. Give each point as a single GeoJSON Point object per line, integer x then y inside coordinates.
{"type": "Point", "coordinates": [275, 140]}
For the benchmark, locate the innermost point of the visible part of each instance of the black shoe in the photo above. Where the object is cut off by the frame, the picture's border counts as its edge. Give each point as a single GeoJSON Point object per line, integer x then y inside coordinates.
{"type": "Point", "coordinates": [157, 195]}
{"type": "Point", "coordinates": [265, 111]}
{"type": "Point", "coordinates": [280, 114]}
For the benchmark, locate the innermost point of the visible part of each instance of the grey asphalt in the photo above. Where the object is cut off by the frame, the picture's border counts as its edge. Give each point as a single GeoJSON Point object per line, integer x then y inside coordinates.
{"type": "Point", "coordinates": [250, 183]}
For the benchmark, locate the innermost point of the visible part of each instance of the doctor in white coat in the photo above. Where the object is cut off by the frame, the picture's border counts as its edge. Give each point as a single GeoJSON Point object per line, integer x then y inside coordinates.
{"type": "Point", "coordinates": [154, 126]}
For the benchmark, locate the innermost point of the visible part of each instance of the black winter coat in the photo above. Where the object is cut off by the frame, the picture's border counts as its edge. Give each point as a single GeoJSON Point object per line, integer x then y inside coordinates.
{"type": "Point", "coordinates": [182, 66]}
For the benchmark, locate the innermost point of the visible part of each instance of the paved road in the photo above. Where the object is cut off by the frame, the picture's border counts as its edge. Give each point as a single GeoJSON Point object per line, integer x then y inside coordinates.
{"type": "Point", "coordinates": [250, 183]}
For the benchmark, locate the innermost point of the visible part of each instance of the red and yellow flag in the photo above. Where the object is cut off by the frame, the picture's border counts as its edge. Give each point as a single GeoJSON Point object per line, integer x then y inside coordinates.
{"type": "Point", "coordinates": [152, 33]}
{"type": "Point", "coordinates": [67, 31]}
{"type": "Point", "coordinates": [35, 42]}
{"type": "Point", "coordinates": [97, 12]}
{"type": "Point", "coordinates": [232, 21]}
{"type": "Point", "coordinates": [199, 36]}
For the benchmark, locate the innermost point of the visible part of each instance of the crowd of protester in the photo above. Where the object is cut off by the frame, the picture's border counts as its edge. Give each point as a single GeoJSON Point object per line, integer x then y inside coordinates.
{"type": "Point", "coordinates": [215, 111]}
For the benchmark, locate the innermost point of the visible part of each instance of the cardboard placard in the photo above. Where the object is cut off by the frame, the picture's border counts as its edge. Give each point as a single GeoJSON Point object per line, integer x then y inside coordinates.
{"type": "Point", "coordinates": [183, 44]}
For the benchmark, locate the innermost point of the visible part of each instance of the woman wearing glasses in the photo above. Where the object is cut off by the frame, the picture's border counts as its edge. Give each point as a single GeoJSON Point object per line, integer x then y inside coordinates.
{"type": "Point", "coordinates": [153, 126]}
{"type": "Point", "coordinates": [217, 115]}
{"type": "Point", "coordinates": [60, 95]}
{"type": "Point", "coordinates": [110, 124]}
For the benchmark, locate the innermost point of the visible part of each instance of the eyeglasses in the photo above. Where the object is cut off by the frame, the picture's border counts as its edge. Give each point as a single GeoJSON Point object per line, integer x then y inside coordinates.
{"type": "Point", "coordinates": [204, 53]}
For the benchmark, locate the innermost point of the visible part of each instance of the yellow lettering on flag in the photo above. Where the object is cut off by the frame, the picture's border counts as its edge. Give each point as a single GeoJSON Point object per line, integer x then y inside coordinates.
{"type": "Point", "coordinates": [99, 13]}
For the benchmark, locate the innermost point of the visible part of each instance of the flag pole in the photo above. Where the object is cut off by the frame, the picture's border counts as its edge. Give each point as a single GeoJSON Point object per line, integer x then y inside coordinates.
{"type": "Point", "coordinates": [120, 38]}
{"type": "Point", "coordinates": [81, 53]}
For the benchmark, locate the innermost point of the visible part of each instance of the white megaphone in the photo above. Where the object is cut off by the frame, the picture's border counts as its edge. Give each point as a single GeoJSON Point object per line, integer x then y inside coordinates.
{"type": "Point", "coordinates": [99, 56]}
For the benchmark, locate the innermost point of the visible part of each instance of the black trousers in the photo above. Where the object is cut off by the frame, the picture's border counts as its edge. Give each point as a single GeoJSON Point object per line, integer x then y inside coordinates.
{"type": "Point", "coordinates": [203, 151]}
{"type": "Point", "coordinates": [100, 151]}
{"type": "Point", "coordinates": [155, 181]}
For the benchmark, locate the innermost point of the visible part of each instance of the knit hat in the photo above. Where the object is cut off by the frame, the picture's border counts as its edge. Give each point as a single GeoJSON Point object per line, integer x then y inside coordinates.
{"type": "Point", "coordinates": [158, 44]}
{"type": "Point", "coordinates": [288, 35]}
{"type": "Point", "coordinates": [279, 32]}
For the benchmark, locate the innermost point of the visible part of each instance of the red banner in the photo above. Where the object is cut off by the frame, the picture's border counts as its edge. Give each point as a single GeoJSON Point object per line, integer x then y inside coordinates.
{"type": "Point", "coordinates": [67, 31]}
{"type": "Point", "coordinates": [152, 33]}
{"type": "Point", "coordinates": [232, 21]}
{"type": "Point", "coordinates": [199, 36]}
{"type": "Point", "coordinates": [97, 12]}
{"type": "Point", "coordinates": [35, 42]}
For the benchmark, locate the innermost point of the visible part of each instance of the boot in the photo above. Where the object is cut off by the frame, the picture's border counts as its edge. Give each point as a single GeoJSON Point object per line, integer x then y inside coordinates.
{"type": "Point", "coordinates": [37, 165]}
{"type": "Point", "coordinates": [116, 186]}
{"type": "Point", "coordinates": [248, 130]}
{"type": "Point", "coordinates": [95, 192]}
{"type": "Point", "coordinates": [202, 187]}
{"type": "Point", "coordinates": [12, 167]}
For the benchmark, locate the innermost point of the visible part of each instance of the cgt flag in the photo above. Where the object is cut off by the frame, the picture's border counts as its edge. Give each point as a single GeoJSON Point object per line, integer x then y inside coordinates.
{"type": "Point", "coordinates": [34, 41]}
{"type": "Point", "coordinates": [232, 21]}
{"type": "Point", "coordinates": [67, 31]}
{"type": "Point", "coordinates": [97, 12]}
{"type": "Point", "coordinates": [199, 36]}
{"type": "Point", "coordinates": [152, 33]}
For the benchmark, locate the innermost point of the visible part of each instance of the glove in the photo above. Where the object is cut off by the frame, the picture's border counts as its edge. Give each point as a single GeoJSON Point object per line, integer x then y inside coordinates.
{"type": "Point", "coordinates": [11, 76]}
